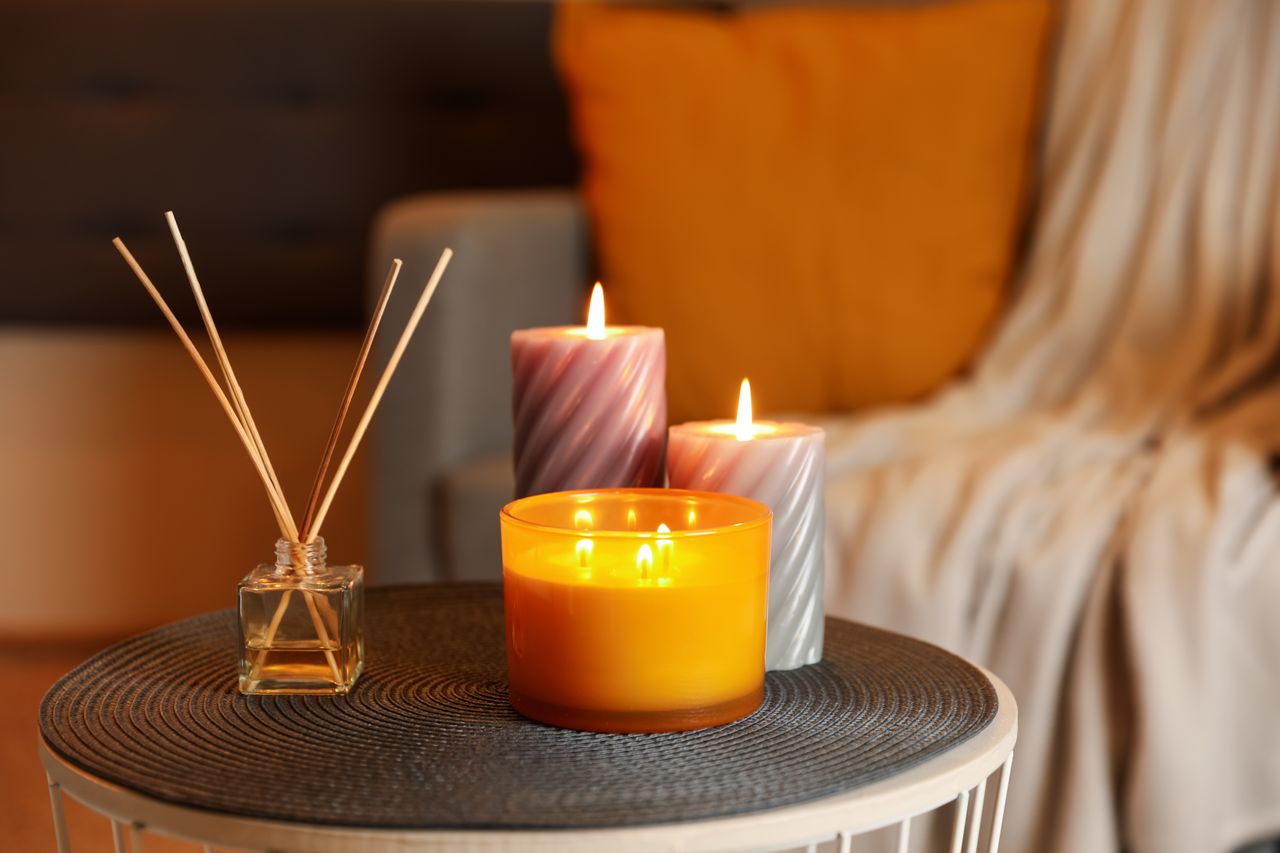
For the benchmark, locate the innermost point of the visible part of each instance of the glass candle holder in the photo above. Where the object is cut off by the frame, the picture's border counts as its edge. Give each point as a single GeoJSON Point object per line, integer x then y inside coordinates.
{"type": "Point", "coordinates": [301, 623]}
{"type": "Point", "coordinates": [635, 610]}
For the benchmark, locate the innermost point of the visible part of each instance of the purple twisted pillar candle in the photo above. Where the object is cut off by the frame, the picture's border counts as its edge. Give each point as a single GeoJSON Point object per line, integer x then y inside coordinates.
{"type": "Point", "coordinates": [590, 408]}
{"type": "Point", "coordinates": [781, 465]}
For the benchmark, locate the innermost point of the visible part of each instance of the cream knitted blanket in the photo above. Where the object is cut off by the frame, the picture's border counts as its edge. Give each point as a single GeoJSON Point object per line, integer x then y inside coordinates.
{"type": "Point", "coordinates": [1092, 514]}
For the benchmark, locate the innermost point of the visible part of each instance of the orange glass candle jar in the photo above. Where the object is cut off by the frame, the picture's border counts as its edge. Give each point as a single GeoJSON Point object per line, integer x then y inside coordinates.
{"type": "Point", "coordinates": [635, 610]}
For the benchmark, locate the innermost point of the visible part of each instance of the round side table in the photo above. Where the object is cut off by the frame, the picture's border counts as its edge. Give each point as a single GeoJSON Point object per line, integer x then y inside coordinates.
{"type": "Point", "coordinates": [426, 754]}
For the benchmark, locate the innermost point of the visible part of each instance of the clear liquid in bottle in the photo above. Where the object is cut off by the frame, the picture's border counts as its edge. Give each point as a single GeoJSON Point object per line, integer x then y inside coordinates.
{"type": "Point", "coordinates": [301, 623]}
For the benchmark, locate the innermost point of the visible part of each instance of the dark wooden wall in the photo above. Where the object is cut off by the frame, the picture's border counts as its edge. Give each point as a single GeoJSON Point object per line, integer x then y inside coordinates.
{"type": "Point", "coordinates": [274, 129]}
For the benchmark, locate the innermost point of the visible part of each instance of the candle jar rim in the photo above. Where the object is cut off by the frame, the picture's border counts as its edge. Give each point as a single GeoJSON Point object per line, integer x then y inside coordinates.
{"type": "Point", "coordinates": [578, 331]}
{"type": "Point", "coordinates": [760, 514]}
{"type": "Point", "coordinates": [724, 427]}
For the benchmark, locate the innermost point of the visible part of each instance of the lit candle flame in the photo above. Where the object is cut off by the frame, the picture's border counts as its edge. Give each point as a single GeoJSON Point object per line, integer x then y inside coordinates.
{"type": "Point", "coordinates": [664, 548]}
{"type": "Point", "coordinates": [644, 561]}
{"type": "Point", "coordinates": [582, 520]}
{"type": "Point", "coordinates": [744, 429]}
{"type": "Point", "coordinates": [631, 518]}
{"type": "Point", "coordinates": [595, 314]}
{"type": "Point", "coordinates": [693, 518]}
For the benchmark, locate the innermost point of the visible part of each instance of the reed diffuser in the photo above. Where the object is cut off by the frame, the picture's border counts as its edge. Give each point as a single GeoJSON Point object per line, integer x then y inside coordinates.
{"type": "Point", "coordinates": [301, 620]}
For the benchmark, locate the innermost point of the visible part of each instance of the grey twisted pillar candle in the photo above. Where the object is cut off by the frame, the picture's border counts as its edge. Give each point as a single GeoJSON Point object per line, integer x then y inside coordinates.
{"type": "Point", "coordinates": [589, 412]}
{"type": "Point", "coordinates": [781, 465]}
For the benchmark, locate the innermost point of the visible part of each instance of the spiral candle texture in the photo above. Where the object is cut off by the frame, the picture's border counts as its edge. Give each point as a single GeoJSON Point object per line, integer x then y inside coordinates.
{"type": "Point", "coordinates": [589, 412]}
{"type": "Point", "coordinates": [781, 465]}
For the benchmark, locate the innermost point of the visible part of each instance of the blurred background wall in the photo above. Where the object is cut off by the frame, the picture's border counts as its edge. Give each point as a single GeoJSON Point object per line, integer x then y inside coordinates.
{"type": "Point", "coordinates": [275, 130]}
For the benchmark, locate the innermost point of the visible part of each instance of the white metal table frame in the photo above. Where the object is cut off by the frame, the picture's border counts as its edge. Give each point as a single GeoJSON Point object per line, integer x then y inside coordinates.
{"type": "Point", "coordinates": [958, 777]}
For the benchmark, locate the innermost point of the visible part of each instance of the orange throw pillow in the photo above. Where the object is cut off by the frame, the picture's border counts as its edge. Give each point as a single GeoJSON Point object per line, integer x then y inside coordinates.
{"type": "Point", "coordinates": [825, 199]}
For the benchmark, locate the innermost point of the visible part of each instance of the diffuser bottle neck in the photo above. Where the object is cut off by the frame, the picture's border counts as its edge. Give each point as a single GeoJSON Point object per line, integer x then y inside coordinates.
{"type": "Point", "coordinates": [300, 557]}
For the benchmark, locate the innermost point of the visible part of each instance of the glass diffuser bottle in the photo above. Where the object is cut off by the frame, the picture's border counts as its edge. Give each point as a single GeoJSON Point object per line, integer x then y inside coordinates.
{"type": "Point", "coordinates": [301, 623]}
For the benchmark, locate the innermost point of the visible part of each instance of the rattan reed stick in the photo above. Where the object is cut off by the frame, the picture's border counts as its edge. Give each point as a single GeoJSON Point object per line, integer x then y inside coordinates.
{"type": "Point", "coordinates": [313, 497]}
{"type": "Point", "coordinates": [331, 444]}
{"type": "Point", "coordinates": [228, 373]}
{"type": "Point", "coordinates": [313, 530]}
{"type": "Point", "coordinates": [279, 511]}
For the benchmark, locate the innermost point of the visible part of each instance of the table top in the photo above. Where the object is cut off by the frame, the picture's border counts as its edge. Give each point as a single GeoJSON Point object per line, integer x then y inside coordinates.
{"type": "Point", "coordinates": [427, 741]}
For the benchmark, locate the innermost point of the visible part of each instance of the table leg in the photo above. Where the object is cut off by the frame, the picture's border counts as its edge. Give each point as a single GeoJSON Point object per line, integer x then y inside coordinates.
{"type": "Point", "coordinates": [117, 836]}
{"type": "Point", "coordinates": [997, 819]}
{"type": "Point", "coordinates": [957, 830]}
{"type": "Point", "coordinates": [136, 842]}
{"type": "Point", "coordinates": [59, 818]}
{"type": "Point", "coordinates": [975, 823]}
{"type": "Point", "coordinates": [904, 836]}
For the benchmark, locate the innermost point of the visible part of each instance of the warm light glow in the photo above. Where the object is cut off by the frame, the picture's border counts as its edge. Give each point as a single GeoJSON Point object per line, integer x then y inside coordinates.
{"type": "Point", "coordinates": [584, 553]}
{"type": "Point", "coordinates": [693, 518]}
{"type": "Point", "coordinates": [644, 560]}
{"type": "Point", "coordinates": [743, 428]}
{"type": "Point", "coordinates": [631, 518]}
{"type": "Point", "coordinates": [582, 519]}
{"type": "Point", "coordinates": [595, 314]}
{"type": "Point", "coordinates": [662, 528]}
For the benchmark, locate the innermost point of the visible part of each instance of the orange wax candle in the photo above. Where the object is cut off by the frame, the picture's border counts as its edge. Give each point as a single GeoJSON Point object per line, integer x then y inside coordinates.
{"type": "Point", "coordinates": [635, 610]}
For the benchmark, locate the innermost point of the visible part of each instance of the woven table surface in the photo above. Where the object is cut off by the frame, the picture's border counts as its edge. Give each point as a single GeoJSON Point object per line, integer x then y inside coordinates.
{"type": "Point", "coordinates": [427, 740]}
